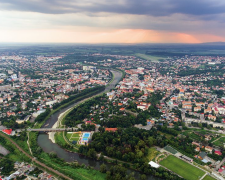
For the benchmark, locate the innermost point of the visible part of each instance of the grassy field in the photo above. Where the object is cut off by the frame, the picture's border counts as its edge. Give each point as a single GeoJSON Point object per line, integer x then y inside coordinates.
{"type": "Point", "coordinates": [182, 168]}
{"type": "Point", "coordinates": [68, 135]}
{"type": "Point", "coordinates": [208, 178]}
{"type": "Point", "coordinates": [73, 136]}
{"type": "Point", "coordinates": [219, 142]}
{"type": "Point", "coordinates": [15, 154]}
{"type": "Point", "coordinates": [149, 57]}
{"type": "Point", "coordinates": [152, 153]}
{"type": "Point", "coordinates": [59, 139]}
{"type": "Point", "coordinates": [75, 173]}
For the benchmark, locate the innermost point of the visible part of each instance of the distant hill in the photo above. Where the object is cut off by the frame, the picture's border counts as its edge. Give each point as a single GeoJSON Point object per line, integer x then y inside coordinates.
{"type": "Point", "coordinates": [214, 43]}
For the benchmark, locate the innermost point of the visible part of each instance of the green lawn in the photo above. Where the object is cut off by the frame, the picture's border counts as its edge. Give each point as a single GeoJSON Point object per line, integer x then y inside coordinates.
{"type": "Point", "coordinates": [59, 139]}
{"type": "Point", "coordinates": [219, 142]}
{"type": "Point", "coordinates": [73, 136]}
{"type": "Point", "coordinates": [182, 168]}
{"type": "Point", "coordinates": [208, 178]}
{"type": "Point", "coordinates": [68, 135]}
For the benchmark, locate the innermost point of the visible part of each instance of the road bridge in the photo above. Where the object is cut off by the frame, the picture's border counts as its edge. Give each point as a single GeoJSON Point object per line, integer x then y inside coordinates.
{"type": "Point", "coordinates": [48, 129]}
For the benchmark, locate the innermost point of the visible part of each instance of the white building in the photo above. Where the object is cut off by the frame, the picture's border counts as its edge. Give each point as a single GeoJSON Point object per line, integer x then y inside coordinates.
{"type": "Point", "coordinates": [153, 164]}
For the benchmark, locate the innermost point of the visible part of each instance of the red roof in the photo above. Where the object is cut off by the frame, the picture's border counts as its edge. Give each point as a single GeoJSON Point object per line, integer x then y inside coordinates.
{"type": "Point", "coordinates": [7, 131]}
{"type": "Point", "coordinates": [111, 129]}
{"type": "Point", "coordinates": [220, 170]}
{"type": "Point", "coordinates": [218, 153]}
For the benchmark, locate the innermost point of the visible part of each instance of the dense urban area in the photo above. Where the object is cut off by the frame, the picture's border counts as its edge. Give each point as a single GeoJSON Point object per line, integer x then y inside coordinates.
{"type": "Point", "coordinates": [140, 112]}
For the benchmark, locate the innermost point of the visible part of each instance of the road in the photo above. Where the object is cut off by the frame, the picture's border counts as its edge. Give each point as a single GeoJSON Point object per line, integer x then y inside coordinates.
{"type": "Point", "coordinates": [52, 129]}
{"type": "Point", "coordinates": [34, 159]}
{"type": "Point", "coordinates": [219, 132]}
{"type": "Point", "coordinates": [220, 164]}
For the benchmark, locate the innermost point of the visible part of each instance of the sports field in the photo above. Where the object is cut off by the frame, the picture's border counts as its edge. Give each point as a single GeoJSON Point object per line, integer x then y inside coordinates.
{"type": "Point", "coordinates": [182, 168]}
{"type": "Point", "coordinates": [208, 178]}
{"type": "Point", "coordinates": [170, 149]}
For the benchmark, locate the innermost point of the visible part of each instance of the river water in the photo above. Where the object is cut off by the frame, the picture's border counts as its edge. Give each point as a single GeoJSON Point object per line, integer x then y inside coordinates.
{"type": "Point", "coordinates": [48, 146]}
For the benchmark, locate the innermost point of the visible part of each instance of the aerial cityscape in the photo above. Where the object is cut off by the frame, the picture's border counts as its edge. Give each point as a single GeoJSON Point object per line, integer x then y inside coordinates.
{"type": "Point", "coordinates": [120, 90]}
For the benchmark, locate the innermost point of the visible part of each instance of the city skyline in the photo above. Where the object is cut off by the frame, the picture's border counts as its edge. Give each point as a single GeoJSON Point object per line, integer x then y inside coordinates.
{"type": "Point", "coordinates": [151, 21]}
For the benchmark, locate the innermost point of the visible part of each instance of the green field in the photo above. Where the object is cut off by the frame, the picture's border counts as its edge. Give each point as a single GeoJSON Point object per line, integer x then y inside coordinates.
{"type": "Point", "coordinates": [73, 136]}
{"type": "Point", "coordinates": [59, 139]}
{"type": "Point", "coordinates": [68, 135]}
{"type": "Point", "coordinates": [149, 57]}
{"type": "Point", "coordinates": [208, 178]}
{"type": "Point", "coordinates": [182, 168]}
{"type": "Point", "coordinates": [219, 142]}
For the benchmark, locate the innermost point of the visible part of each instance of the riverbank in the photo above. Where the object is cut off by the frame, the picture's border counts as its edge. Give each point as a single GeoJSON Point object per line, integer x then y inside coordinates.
{"type": "Point", "coordinates": [115, 79]}
{"type": "Point", "coordinates": [58, 124]}
{"type": "Point", "coordinates": [70, 157]}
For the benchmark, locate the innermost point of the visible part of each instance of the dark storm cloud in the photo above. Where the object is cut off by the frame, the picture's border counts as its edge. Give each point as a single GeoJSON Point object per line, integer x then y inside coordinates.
{"type": "Point", "coordinates": [141, 7]}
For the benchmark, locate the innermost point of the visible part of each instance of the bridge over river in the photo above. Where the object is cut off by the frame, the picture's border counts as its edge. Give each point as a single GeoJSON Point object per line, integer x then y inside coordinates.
{"type": "Point", "coordinates": [48, 129]}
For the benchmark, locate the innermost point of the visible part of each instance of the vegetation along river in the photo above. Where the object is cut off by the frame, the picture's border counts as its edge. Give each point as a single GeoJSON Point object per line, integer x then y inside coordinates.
{"type": "Point", "coordinates": [48, 146]}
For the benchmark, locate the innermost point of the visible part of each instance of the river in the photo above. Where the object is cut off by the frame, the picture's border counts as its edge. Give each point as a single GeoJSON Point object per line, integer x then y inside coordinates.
{"type": "Point", "coordinates": [48, 146]}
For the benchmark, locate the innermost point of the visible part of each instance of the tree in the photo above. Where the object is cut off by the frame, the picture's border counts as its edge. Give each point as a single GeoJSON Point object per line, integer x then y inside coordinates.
{"type": "Point", "coordinates": [7, 166]}
{"type": "Point", "coordinates": [103, 168]}
{"type": "Point", "coordinates": [52, 154]}
{"type": "Point", "coordinates": [38, 150]}
{"type": "Point", "coordinates": [141, 77]}
{"type": "Point", "coordinates": [143, 177]}
{"type": "Point", "coordinates": [92, 153]}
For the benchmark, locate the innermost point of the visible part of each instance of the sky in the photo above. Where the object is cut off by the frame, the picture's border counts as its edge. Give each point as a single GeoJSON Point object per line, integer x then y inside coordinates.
{"type": "Point", "coordinates": [117, 21]}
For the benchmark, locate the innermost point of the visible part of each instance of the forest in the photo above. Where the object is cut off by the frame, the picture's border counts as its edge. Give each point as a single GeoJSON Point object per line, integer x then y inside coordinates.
{"type": "Point", "coordinates": [129, 145]}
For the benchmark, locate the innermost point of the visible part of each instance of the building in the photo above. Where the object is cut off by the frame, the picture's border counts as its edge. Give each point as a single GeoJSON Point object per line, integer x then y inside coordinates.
{"type": "Point", "coordinates": [8, 132]}
{"type": "Point", "coordinates": [36, 114]}
{"type": "Point", "coordinates": [218, 153]}
{"type": "Point", "coordinates": [86, 137]}
{"type": "Point", "coordinates": [5, 88]}
{"type": "Point", "coordinates": [209, 149]}
{"type": "Point", "coordinates": [186, 158]}
{"type": "Point", "coordinates": [153, 164]}
{"type": "Point", "coordinates": [111, 129]}
{"type": "Point", "coordinates": [23, 120]}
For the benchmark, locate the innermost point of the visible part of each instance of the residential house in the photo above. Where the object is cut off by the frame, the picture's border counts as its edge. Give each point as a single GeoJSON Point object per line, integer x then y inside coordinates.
{"type": "Point", "coordinates": [209, 149]}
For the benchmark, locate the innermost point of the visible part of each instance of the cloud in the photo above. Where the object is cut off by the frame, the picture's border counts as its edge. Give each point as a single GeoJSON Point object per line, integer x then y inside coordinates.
{"type": "Point", "coordinates": [138, 7]}
{"type": "Point", "coordinates": [173, 19]}
{"type": "Point", "coordinates": [106, 21]}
